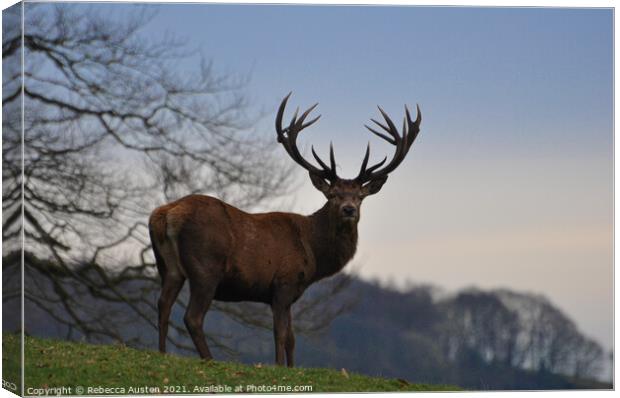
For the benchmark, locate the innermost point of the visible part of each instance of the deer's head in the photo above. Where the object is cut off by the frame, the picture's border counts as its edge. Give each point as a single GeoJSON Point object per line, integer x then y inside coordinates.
{"type": "Point", "coordinates": [345, 196]}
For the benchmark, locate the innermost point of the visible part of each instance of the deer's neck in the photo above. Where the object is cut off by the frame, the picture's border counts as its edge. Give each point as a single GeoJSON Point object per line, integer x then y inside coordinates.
{"type": "Point", "coordinates": [333, 242]}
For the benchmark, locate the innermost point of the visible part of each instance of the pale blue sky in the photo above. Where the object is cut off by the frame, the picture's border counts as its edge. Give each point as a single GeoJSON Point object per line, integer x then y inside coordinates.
{"type": "Point", "coordinates": [510, 181]}
{"type": "Point", "coordinates": [543, 73]}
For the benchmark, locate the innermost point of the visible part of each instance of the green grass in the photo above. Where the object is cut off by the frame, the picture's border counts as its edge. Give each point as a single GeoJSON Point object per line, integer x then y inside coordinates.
{"type": "Point", "coordinates": [11, 362]}
{"type": "Point", "coordinates": [54, 363]}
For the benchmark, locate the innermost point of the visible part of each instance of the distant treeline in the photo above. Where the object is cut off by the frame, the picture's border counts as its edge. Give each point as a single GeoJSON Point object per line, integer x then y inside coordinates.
{"type": "Point", "coordinates": [476, 339]}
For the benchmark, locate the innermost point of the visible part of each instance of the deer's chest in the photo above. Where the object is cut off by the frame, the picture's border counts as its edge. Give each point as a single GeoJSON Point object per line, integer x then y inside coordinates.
{"type": "Point", "coordinates": [262, 263]}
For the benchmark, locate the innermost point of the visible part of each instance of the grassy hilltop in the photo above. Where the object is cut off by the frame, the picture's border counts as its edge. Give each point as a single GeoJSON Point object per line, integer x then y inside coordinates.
{"type": "Point", "coordinates": [54, 363]}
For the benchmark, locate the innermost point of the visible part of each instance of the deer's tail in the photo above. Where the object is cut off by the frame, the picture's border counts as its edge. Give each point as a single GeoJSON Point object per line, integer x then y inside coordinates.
{"type": "Point", "coordinates": [157, 233]}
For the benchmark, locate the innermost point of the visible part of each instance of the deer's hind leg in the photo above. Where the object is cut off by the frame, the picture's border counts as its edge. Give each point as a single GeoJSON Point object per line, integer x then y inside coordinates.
{"type": "Point", "coordinates": [290, 341]}
{"type": "Point", "coordinates": [172, 282]}
{"type": "Point", "coordinates": [203, 282]}
{"type": "Point", "coordinates": [170, 290]}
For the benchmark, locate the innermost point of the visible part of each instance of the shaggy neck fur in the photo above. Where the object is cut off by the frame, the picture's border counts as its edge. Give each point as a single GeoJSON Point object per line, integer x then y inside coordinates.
{"type": "Point", "coordinates": [334, 241]}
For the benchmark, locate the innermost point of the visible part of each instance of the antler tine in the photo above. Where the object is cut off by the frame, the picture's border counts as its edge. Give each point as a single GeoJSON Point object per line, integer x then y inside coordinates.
{"type": "Point", "coordinates": [318, 159]}
{"type": "Point", "coordinates": [307, 112]}
{"type": "Point", "coordinates": [381, 135]}
{"type": "Point", "coordinates": [294, 118]}
{"type": "Point", "coordinates": [366, 157]}
{"type": "Point", "coordinates": [279, 116]}
{"type": "Point", "coordinates": [363, 169]}
{"type": "Point", "coordinates": [413, 126]}
{"type": "Point", "coordinates": [392, 128]}
{"type": "Point", "coordinates": [311, 122]}
{"type": "Point", "coordinates": [332, 158]}
{"type": "Point", "coordinates": [376, 166]}
{"type": "Point", "coordinates": [402, 142]}
{"type": "Point", "coordinates": [288, 138]}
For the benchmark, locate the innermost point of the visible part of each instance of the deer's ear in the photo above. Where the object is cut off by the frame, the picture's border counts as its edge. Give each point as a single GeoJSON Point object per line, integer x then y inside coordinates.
{"type": "Point", "coordinates": [319, 183]}
{"type": "Point", "coordinates": [373, 186]}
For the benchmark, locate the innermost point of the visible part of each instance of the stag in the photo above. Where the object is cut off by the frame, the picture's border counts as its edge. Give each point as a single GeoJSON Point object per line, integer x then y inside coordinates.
{"type": "Point", "coordinates": [230, 255]}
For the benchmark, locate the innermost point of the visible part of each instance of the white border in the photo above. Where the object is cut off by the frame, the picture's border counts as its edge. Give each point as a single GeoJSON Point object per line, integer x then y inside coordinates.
{"type": "Point", "coordinates": [477, 3]}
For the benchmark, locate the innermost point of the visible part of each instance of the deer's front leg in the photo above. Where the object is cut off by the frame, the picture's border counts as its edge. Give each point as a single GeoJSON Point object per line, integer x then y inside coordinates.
{"type": "Point", "coordinates": [280, 308]}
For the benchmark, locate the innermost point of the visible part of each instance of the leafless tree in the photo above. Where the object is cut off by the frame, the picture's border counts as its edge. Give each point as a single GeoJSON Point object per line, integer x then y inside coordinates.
{"type": "Point", "coordinates": [549, 340]}
{"type": "Point", "coordinates": [519, 330]}
{"type": "Point", "coordinates": [114, 126]}
{"type": "Point", "coordinates": [479, 321]}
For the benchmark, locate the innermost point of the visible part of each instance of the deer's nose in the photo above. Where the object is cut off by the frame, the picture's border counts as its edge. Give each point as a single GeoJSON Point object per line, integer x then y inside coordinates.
{"type": "Point", "coordinates": [348, 211]}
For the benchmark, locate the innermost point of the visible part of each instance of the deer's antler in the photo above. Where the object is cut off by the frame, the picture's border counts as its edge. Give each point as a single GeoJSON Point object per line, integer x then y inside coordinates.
{"type": "Point", "coordinates": [288, 138]}
{"type": "Point", "coordinates": [402, 142]}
